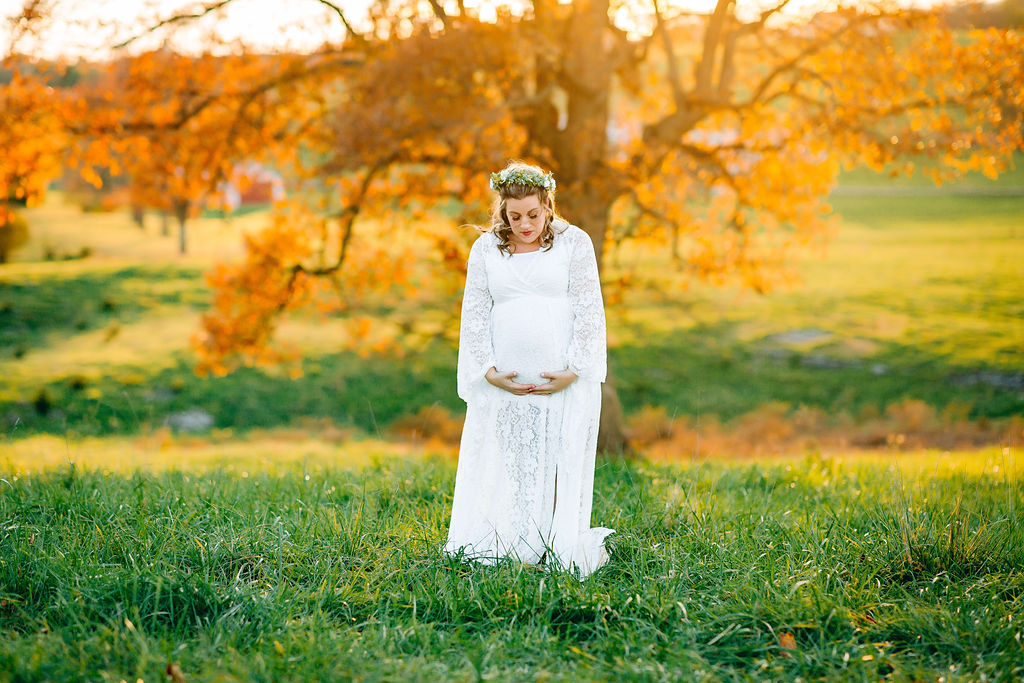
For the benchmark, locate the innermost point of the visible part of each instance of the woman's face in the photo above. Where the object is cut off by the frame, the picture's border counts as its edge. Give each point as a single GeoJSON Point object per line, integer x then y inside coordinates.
{"type": "Point", "coordinates": [526, 217]}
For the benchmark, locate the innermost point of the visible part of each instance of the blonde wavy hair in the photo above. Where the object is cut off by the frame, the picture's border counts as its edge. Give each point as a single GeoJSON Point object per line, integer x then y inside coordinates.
{"type": "Point", "coordinates": [500, 225]}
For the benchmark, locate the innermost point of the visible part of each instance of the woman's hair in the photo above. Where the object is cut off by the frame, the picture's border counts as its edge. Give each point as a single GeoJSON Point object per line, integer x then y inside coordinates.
{"type": "Point", "coordinates": [519, 180]}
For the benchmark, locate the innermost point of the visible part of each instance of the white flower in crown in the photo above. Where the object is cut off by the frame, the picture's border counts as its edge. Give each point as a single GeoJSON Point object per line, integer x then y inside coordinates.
{"type": "Point", "coordinates": [522, 176]}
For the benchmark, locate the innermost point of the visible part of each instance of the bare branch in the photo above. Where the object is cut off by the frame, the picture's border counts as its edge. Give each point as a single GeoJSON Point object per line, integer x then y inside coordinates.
{"type": "Point", "coordinates": [174, 20]}
{"type": "Point", "coordinates": [725, 73]}
{"type": "Point", "coordinates": [32, 12]}
{"type": "Point", "coordinates": [808, 50]}
{"type": "Point", "coordinates": [348, 218]}
{"type": "Point", "coordinates": [670, 55]}
{"type": "Point", "coordinates": [711, 157]}
{"type": "Point", "coordinates": [712, 39]}
{"type": "Point", "coordinates": [359, 37]}
{"type": "Point", "coordinates": [753, 26]}
{"type": "Point", "coordinates": [440, 13]}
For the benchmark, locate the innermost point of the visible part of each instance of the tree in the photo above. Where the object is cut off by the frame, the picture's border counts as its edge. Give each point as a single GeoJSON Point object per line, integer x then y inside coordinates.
{"type": "Point", "coordinates": [178, 125]}
{"type": "Point", "coordinates": [31, 137]}
{"type": "Point", "coordinates": [33, 117]}
{"type": "Point", "coordinates": [724, 130]}
{"type": "Point", "coordinates": [731, 130]}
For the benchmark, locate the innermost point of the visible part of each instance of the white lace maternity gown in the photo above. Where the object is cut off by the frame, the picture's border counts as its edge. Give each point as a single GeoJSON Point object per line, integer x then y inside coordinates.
{"type": "Point", "coordinates": [525, 477]}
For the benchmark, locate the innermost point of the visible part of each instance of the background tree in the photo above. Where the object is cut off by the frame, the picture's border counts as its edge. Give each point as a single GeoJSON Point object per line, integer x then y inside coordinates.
{"type": "Point", "coordinates": [31, 136]}
{"type": "Point", "coordinates": [32, 131]}
{"type": "Point", "coordinates": [727, 130]}
{"type": "Point", "coordinates": [178, 125]}
{"type": "Point", "coordinates": [723, 130]}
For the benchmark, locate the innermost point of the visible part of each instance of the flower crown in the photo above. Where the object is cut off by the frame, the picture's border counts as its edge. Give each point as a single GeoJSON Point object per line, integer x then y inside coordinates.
{"type": "Point", "coordinates": [522, 176]}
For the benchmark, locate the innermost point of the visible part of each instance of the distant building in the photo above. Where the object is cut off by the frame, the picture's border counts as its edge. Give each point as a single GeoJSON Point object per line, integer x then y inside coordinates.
{"type": "Point", "coordinates": [251, 183]}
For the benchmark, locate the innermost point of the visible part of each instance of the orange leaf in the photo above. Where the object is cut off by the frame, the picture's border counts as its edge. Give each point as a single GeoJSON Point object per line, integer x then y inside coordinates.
{"type": "Point", "coordinates": [174, 671]}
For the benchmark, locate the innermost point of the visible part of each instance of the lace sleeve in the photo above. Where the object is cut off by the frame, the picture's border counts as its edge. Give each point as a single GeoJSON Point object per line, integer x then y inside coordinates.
{"type": "Point", "coordinates": [587, 355]}
{"type": "Point", "coordinates": [476, 355]}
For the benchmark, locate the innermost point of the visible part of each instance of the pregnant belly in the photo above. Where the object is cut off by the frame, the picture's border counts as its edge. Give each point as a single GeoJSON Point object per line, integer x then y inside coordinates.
{"type": "Point", "coordinates": [531, 335]}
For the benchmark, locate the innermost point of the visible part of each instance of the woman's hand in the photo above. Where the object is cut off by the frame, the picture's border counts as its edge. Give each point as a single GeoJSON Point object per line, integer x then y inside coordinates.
{"type": "Point", "coordinates": [556, 382]}
{"type": "Point", "coordinates": [503, 380]}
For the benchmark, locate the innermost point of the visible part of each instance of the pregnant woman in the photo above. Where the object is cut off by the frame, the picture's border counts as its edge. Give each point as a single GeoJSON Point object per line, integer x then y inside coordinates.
{"type": "Point", "coordinates": [532, 356]}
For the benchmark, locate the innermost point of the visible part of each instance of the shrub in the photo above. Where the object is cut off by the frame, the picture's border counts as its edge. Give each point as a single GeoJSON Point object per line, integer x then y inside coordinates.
{"type": "Point", "coordinates": [912, 414]}
{"type": "Point", "coordinates": [431, 423]}
{"type": "Point", "coordinates": [42, 401]}
{"type": "Point", "coordinates": [649, 425]}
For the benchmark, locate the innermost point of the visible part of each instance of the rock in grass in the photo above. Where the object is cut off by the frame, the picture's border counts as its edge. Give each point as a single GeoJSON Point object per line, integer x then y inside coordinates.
{"type": "Point", "coordinates": [191, 420]}
{"type": "Point", "coordinates": [1010, 381]}
{"type": "Point", "coordinates": [803, 335]}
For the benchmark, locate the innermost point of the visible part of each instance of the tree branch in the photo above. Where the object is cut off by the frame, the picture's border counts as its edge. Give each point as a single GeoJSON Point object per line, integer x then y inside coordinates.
{"type": "Point", "coordinates": [670, 55]}
{"type": "Point", "coordinates": [712, 39]}
{"type": "Point", "coordinates": [348, 215]}
{"type": "Point", "coordinates": [725, 72]}
{"type": "Point", "coordinates": [174, 20]}
{"type": "Point", "coordinates": [440, 13]}
{"type": "Point", "coordinates": [808, 50]}
{"type": "Point", "coordinates": [202, 103]}
{"type": "Point", "coordinates": [359, 37]}
{"type": "Point", "coordinates": [752, 26]}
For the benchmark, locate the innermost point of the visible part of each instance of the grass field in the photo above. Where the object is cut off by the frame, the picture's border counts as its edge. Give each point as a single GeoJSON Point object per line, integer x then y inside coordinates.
{"type": "Point", "coordinates": [299, 537]}
{"type": "Point", "coordinates": [820, 568]}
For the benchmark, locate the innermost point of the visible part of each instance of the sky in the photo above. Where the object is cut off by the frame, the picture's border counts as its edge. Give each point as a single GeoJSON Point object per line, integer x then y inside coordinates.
{"type": "Point", "coordinates": [88, 28]}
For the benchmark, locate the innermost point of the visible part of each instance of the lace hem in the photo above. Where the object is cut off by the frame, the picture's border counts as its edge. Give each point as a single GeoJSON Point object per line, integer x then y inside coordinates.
{"type": "Point", "coordinates": [587, 556]}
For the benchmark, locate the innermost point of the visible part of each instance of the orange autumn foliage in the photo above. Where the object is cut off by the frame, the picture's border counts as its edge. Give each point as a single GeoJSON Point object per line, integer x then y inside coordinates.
{"type": "Point", "coordinates": [248, 297]}
{"type": "Point", "coordinates": [32, 137]}
{"type": "Point", "coordinates": [733, 157]}
{"type": "Point", "coordinates": [179, 125]}
{"type": "Point", "coordinates": [717, 136]}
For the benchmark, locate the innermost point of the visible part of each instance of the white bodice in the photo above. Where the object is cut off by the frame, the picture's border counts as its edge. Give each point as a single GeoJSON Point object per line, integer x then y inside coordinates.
{"type": "Point", "coordinates": [547, 317]}
{"type": "Point", "coordinates": [531, 320]}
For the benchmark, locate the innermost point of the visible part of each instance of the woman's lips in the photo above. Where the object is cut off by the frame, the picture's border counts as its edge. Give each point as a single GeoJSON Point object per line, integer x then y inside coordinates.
{"type": "Point", "coordinates": [527, 233]}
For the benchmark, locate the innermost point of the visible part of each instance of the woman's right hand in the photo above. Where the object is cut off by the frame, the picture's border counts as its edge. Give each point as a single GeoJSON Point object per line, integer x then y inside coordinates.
{"type": "Point", "coordinates": [503, 380]}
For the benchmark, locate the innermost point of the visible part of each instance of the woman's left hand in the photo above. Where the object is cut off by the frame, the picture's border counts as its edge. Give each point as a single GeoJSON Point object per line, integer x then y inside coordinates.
{"type": "Point", "coordinates": [556, 382]}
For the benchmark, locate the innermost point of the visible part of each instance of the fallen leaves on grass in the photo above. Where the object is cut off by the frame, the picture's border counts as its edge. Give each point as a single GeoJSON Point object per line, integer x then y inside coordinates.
{"type": "Point", "coordinates": [174, 671]}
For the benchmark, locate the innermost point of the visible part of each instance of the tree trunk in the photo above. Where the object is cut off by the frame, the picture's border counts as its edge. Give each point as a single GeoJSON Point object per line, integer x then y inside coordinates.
{"type": "Point", "coordinates": [591, 213]}
{"type": "Point", "coordinates": [139, 216]}
{"type": "Point", "coordinates": [181, 212]}
{"type": "Point", "coordinates": [580, 150]}
{"type": "Point", "coordinates": [611, 436]}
